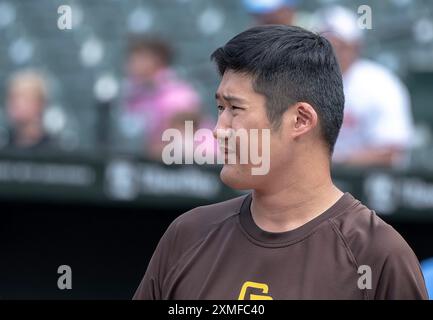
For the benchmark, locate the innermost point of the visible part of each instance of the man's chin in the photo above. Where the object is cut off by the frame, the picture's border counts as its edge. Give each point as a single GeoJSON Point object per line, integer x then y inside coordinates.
{"type": "Point", "coordinates": [236, 177]}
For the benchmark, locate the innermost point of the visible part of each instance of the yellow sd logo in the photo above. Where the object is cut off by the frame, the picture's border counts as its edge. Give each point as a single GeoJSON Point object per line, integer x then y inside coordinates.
{"type": "Point", "coordinates": [262, 286]}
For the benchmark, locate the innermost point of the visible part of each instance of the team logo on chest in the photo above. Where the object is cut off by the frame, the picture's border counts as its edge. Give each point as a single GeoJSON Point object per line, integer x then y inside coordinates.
{"type": "Point", "coordinates": [249, 286]}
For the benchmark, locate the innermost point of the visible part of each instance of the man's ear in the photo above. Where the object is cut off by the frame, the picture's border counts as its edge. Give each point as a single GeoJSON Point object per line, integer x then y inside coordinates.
{"type": "Point", "coordinates": [304, 118]}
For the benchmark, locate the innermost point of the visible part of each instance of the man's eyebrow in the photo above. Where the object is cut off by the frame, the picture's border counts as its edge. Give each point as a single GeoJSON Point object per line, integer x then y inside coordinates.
{"type": "Point", "coordinates": [229, 98]}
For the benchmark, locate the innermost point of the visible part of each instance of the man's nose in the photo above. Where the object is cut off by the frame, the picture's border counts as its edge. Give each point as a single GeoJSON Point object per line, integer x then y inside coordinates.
{"type": "Point", "coordinates": [222, 128]}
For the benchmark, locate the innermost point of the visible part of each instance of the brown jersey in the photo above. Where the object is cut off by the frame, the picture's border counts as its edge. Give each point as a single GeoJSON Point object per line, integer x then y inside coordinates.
{"type": "Point", "coordinates": [218, 252]}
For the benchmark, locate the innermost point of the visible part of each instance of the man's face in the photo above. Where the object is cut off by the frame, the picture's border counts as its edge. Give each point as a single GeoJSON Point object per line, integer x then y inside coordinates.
{"type": "Point", "coordinates": [143, 65]}
{"type": "Point", "coordinates": [346, 52]}
{"type": "Point", "coordinates": [24, 104]}
{"type": "Point", "coordinates": [243, 109]}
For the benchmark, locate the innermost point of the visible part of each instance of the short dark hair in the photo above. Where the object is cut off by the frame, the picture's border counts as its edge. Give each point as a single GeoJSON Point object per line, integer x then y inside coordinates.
{"type": "Point", "coordinates": [150, 43]}
{"type": "Point", "coordinates": [289, 64]}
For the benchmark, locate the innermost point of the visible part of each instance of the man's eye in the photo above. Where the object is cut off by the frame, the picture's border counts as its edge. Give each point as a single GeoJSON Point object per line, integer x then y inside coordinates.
{"type": "Point", "coordinates": [220, 108]}
{"type": "Point", "coordinates": [236, 108]}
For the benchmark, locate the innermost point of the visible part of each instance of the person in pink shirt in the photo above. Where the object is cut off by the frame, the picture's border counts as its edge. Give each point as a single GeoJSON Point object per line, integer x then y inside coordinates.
{"type": "Point", "coordinates": [156, 94]}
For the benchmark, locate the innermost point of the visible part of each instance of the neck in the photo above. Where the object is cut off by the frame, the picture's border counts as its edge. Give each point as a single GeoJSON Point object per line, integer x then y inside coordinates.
{"type": "Point", "coordinates": [29, 134]}
{"type": "Point", "coordinates": [302, 196]}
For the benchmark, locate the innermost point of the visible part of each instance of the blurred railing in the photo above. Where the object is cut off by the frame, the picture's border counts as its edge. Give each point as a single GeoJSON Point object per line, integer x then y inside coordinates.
{"type": "Point", "coordinates": [132, 181]}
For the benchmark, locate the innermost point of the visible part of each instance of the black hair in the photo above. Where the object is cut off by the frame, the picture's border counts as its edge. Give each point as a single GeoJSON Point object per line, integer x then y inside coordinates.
{"type": "Point", "coordinates": [289, 64]}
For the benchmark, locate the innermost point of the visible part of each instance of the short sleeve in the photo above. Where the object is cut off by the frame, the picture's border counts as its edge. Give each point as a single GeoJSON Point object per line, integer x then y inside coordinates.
{"type": "Point", "coordinates": [401, 277]}
{"type": "Point", "coordinates": [150, 286]}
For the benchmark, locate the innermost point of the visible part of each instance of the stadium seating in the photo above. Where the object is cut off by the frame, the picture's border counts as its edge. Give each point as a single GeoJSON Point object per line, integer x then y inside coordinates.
{"type": "Point", "coordinates": [75, 59]}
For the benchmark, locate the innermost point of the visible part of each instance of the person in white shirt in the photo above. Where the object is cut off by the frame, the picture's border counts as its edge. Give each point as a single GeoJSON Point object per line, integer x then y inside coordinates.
{"type": "Point", "coordinates": [272, 11]}
{"type": "Point", "coordinates": [377, 125]}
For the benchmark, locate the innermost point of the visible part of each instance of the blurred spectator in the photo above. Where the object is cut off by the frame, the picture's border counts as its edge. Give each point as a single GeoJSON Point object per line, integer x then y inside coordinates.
{"type": "Point", "coordinates": [272, 11]}
{"type": "Point", "coordinates": [155, 94]}
{"type": "Point", "coordinates": [26, 99]}
{"type": "Point", "coordinates": [377, 124]}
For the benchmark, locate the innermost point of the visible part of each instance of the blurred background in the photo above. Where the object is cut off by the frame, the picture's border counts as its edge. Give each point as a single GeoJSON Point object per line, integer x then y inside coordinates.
{"type": "Point", "coordinates": [86, 91]}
